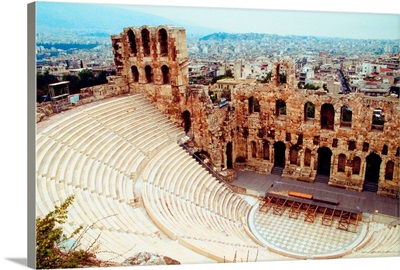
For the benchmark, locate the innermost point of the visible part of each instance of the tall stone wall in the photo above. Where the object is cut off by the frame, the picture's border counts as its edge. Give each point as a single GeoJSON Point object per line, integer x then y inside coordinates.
{"type": "Point", "coordinates": [305, 132]}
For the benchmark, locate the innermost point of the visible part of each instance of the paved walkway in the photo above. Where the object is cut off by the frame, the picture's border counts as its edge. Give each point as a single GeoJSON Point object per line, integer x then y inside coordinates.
{"type": "Point", "coordinates": [367, 201]}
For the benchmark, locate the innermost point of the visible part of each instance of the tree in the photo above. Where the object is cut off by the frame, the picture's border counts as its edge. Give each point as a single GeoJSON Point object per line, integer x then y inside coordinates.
{"type": "Point", "coordinates": [51, 243]}
{"type": "Point", "coordinates": [228, 74]}
{"type": "Point", "coordinates": [86, 78]}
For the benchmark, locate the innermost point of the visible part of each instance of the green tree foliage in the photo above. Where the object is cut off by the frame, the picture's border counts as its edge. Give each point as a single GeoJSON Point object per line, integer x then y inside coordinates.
{"type": "Point", "coordinates": [267, 78]}
{"type": "Point", "coordinates": [42, 84]}
{"type": "Point", "coordinates": [51, 243]}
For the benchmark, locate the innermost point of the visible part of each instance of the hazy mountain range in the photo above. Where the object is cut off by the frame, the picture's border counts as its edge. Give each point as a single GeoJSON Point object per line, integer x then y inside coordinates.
{"type": "Point", "coordinates": [51, 16]}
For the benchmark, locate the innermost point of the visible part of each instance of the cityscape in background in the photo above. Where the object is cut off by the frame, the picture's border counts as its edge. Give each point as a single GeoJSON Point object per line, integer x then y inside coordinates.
{"type": "Point", "coordinates": [338, 65]}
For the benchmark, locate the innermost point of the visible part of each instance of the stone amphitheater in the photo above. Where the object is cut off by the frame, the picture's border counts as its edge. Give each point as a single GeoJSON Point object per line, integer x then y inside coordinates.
{"type": "Point", "coordinates": [138, 188]}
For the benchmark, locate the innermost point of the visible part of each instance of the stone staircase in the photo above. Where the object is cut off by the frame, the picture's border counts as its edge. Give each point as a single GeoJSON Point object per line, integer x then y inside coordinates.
{"type": "Point", "coordinates": [276, 170]}
{"type": "Point", "coordinates": [321, 178]}
{"type": "Point", "coordinates": [371, 187]}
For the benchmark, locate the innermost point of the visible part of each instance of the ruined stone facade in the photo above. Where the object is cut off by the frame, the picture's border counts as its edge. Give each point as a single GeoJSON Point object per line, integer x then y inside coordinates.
{"type": "Point", "coordinates": [349, 141]}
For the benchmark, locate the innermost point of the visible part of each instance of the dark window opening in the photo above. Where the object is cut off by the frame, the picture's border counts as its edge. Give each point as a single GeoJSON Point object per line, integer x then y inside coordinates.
{"type": "Point", "coordinates": [356, 165]}
{"type": "Point", "coordinates": [165, 73]}
{"type": "Point", "coordinates": [163, 40]}
{"type": "Point", "coordinates": [132, 42]}
{"type": "Point", "coordinates": [316, 140]}
{"type": "Point", "coordinates": [334, 143]}
{"type": "Point", "coordinates": [384, 149]}
{"type": "Point", "coordinates": [250, 104]}
{"type": "Point", "coordinates": [352, 145]}
{"type": "Point", "coordinates": [372, 171]}
{"type": "Point", "coordinates": [378, 120]}
{"type": "Point", "coordinates": [135, 73]}
{"type": "Point", "coordinates": [345, 116]}
{"type": "Point", "coordinates": [300, 139]}
{"type": "Point", "coordinates": [266, 150]}
{"type": "Point", "coordinates": [309, 111]}
{"type": "Point", "coordinates": [389, 170]}
{"type": "Point", "coordinates": [307, 158]}
{"type": "Point", "coordinates": [256, 105]}
{"type": "Point", "coordinates": [253, 149]}
{"type": "Point", "coordinates": [398, 151]}
{"type": "Point", "coordinates": [288, 137]}
{"type": "Point", "coordinates": [327, 116]}
{"type": "Point", "coordinates": [341, 162]}
{"type": "Point", "coordinates": [245, 132]}
{"type": "Point", "coordinates": [146, 42]}
{"type": "Point", "coordinates": [186, 121]}
{"type": "Point", "coordinates": [280, 108]}
{"type": "Point", "coordinates": [293, 154]}
{"type": "Point", "coordinates": [149, 74]}
{"type": "Point", "coordinates": [365, 147]}
{"type": "Point", "coordinates": [229, 163]}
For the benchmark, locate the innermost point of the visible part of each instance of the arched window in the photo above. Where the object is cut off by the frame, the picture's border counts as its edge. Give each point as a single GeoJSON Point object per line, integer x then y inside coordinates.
{"type": "Point", "coordinates": [345, 116]}
{"type": "Point", "coordinates": [378, 120]}
{"type": "Point", "coordinates": [132, 41]}
{"type": "Point", "coordinates": [309, 111]}
{"type": "Point", "coordinates": [307, 158]}
{"type": "Point", "coordinates": [253, 149]}
{"type": "Point", "coordinates": [165, 73]}
{"type": "Point", "coordinates": [135, 73]}
{"type": "Point", "coordinates": [280, 107]}
{"type": "Point", "coordinates": [389, 170]}
{"type": "Point", "coordinates": [163, 40]}
{"type": "Point", "coordinates": [256, 105]}
{"type": "Point", "coordinates": [327, 116]}
{"type": "Point", "coordinates": [293, 154]}
{"type": "Point", "coordinates": [251, 104]}
{"type": "Point", "coordinates": [384, 149]}
{"type": "Point", "coordinates": [341, 162]}
{"type": "Point", "coordinates": [266, 150]}
{"type": "Point", "coordinates": [356, 165]}
{"type": "Point", "coordinates": [149, 74]}
{"type": "Point", "coordinates": [146, 42]}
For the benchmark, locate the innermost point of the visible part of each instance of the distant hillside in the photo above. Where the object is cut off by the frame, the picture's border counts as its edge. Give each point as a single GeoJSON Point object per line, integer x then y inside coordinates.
{"type": "Point", "coordinates": [99, 18]}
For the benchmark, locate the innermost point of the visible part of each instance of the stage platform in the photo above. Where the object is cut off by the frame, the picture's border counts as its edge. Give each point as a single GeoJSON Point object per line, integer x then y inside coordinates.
{"type": "Point", "coordinates": [251, 183]}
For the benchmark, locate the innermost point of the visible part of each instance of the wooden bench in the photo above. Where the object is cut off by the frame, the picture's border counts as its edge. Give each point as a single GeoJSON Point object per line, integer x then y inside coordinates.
{"type": "Point", "coordinates": [301, 195]}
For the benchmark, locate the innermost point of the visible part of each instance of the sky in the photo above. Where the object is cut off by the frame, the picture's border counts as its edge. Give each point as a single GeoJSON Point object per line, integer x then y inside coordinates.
{"type": "Point", "coordinates": [13, 194]}
{"type": "Point", "coordinates": [284, 22]}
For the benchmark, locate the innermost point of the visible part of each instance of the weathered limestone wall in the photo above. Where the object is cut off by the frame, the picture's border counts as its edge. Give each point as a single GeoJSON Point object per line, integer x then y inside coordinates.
{"type": "Point", "coordinates": [265, 125]}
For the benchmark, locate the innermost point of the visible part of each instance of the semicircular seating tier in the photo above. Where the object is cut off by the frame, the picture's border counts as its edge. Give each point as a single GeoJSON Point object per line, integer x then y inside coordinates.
{"type": "Point", "coordinates": [101, 153]}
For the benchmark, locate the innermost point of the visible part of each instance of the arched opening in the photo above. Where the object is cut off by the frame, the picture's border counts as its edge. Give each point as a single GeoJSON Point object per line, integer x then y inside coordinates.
{"type": "Point", "coordinates": [163, 40]}
{"type": "Point", "coordinates": [229, 163]}
{"type": "Point", "coordinates": [346, 114]}
{"type": "Point", "coordinates": [372, 172]}
{"type": "Point", "coordinates": [279, 154]}
{"type": "Point", "coordinates": [309, 111]}
{"type": "Point", "coordinates": [253, 149]}
{"type": "Point", "coordinates": [132, 42]}
{"type": "Point", "coordinates": [341, 163]}
{"type": "Point", "coordinates": [186, 121]}
{"type": "Point", "coordinates": [307, 158]}
{"type": "Point", "coordinates": [165, 73]}
{"type": "Point", "coordinates": [280, 107]}
{"type": "Point", "coordinates": [251, 104]}
{"type": "Point", "coordinates": [149, 74]}
{"type": "Point", "coordinates": [266, 150]}
{"type": "Point", "coordinates": [356, 165]}
{"type": "Point", "coordinates": [324, 160]}
{"type": "Point", "coordinates": [256, 105]}
{"type": "Point", "coordinates": [146, 42]}
{"type": "Point", "coordinates": [385, 150]}
{"type": "Point", "coordinates": [389, 170]}
{"type": "Point", "coordinates": [327, 116]}
{"type": "Point", "coordinates": [135, 73]}
{"type": "Point", "coordinates": [378, 120]}
{"type": "Point", "coordinates": [293, 154]}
